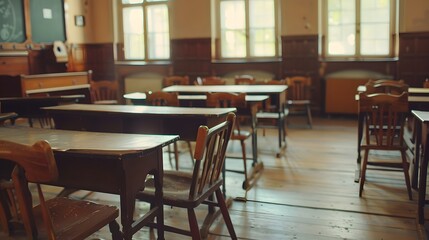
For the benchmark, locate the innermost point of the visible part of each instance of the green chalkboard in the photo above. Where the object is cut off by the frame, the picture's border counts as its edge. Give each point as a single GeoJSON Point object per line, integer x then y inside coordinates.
{"type": "Point", "coordinates": [12, 27]}
{"type": "Point", "coordinates": [47, 21]}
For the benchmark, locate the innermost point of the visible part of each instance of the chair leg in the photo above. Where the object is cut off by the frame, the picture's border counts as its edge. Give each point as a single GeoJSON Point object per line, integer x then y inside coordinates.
{"type": "Point", "coordinates": [243, 150]}
{"type": "Point", "coordinates": [193, 224]}
{"type": "Point", "coordinates": [225, 214]}
{"type": "Point", "coordinates": [176, 155]}
{"type": "Point", "coordinates": [191, 152]}
{"type": "Point", "coordinates": [405, 166]}
{"type": "Point", "coordinates": [115, 230]}
{"type": "Point", "coordinates": [363, 172]}
{"type": "Point", "coordinates": [310, 120]}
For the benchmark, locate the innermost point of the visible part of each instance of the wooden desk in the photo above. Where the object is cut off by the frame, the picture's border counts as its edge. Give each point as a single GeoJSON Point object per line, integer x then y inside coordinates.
{"type": "Point", "coordinates": [415, 103]}
{"type": "Point", "coordinates": [139, 98]}
{"type": "Point", "coordinates": [422, 158]}
{"type": "Point", "coordinates": [412, 91]}
{"type": "Point", "coordinates": [104, 162]}
{"type": "Point", "coordinates": [30, 107]}
{"type": "Point", "coordinates": [277, 93]}
{"type": "Point", "coordinates": [253, 102]}
{"type": "Point", "coordinates": [183, 121]}
{"type": "Point", "coordinates": [55, 84]}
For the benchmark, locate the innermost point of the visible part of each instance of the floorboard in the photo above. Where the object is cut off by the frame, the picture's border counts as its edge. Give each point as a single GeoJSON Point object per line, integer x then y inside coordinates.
{"type": "Point", "coordinates": [307, 193]}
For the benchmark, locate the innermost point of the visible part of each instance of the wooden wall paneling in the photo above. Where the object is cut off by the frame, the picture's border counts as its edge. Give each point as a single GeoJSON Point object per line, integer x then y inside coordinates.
{"type": "Point", "coordinates": [300, 57]}
{"type": "Point", "coordinates": [191, 57]}
{"type": "Point", "coordinates": [100, 61]}
{"type": "Point", "coordinates": [96, 57]}
{"type": "Point", "coordinates": [414, 58]}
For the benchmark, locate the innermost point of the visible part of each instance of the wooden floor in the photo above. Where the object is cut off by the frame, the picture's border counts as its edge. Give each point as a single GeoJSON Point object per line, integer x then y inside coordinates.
{"type": "Point", "coordinates": [307, 193]}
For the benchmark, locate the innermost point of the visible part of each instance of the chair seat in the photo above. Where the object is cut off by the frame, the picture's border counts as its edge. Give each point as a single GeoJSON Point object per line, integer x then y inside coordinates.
{"type": "Point", "coordinates": [298, 102]}
{"type": "Point", "coordinates": [69, 215]}
{"type": "Point", "coordinates": [242, 135]}
{"type": "Point", "coordinates": [176, 189]}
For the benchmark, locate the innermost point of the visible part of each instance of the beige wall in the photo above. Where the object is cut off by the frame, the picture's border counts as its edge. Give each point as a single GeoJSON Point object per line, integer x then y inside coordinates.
{"type": "Point", "coordinates": [299, 17]}
{"type": "Point", "coordinates": [191, 18]}
{"type": "Point", "coordinates": [98, 21]}
{"type": "Point", "coordinates": [414, 15]}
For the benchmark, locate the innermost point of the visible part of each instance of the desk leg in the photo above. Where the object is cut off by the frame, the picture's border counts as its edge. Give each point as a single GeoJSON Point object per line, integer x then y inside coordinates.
{"type": "Point", "coordinates": [417, 153]}
{"type": "Point", "coordinates": [130, 189]}
{"type": "Point", "coordinates": [359, 140]}
{"type": "Point", "coordinates": [422, 185]}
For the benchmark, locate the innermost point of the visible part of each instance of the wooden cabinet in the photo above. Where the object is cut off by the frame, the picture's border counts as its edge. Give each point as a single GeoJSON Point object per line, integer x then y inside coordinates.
{"type": "Point", "coordinates": [12, 64]}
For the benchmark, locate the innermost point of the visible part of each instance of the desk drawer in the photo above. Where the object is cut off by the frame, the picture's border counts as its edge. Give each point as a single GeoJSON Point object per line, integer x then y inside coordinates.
{"type": "Point", "coordinates": [40, 83]}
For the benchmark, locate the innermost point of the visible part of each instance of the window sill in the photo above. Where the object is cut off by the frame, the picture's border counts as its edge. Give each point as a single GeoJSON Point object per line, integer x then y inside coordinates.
{"type": "Point", "coordinates": [253, 60]}
{"type": "Point", "coordinates": [143, 63]}
{"type": "Point", "coordinates": [354, 59]}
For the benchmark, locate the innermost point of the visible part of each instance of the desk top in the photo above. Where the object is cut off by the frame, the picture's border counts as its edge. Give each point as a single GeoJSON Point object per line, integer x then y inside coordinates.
{"type": "Point", "coordinates": [259, 89]}
{"type": "Point", "coordinates": [423, 116]}
{"type": "Point", "coordinates": [144, 110]}
{"type": "Point", "coordinates": [142, 96]}
{"type": "Point", "coordinates": [63, 140]}
{"type": "Point", "coordinates": [411, 90]}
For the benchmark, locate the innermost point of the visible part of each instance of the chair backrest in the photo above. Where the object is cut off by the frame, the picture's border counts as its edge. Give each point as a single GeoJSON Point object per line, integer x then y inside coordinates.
{"type": "Point", "coordinates": [176, 80]}
{"type": "Point", "coordinates": [386, 86]}
{"type": "Point", "coordinates": [271, 82]}
{"type": "Point", "coordinates": [298, 87]}
{"type": "Point", "coordinates": [211, 80]}
{"type": "Point", "coordinates": [35, 164]}
{"type": "Point", "coordinates": [225, 100]}
{"type": "Point", "coordinates": [209, 154]}
{"type": "Point", "coordinates": [160, 98]}
{"type": "Point", "coordinates": [244, 80]}
{"type": "Point", "coordinates": [384, 116]}
{"type": "Point", "coordinates": [104, 90]}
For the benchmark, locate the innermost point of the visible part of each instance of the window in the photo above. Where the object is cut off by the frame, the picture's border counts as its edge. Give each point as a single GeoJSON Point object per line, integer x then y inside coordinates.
{"type": "Point", "coordinates": [359, 28]}
{"type": "Point", "coordinates": [146, 29]}
{"type": "Point", "coordinates": [247, 28]}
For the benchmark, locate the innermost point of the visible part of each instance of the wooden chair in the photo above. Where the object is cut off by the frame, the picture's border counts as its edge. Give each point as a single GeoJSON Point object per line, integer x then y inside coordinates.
{"type": "Point", "coordinates": [189, 190]}
{"type": "Point", "coordinates": [426, 83]}
{"type": "Point", "coordinates": [269, 117]}
{"type": "Point", "coordinates": [225, 100]}
{"type": "Point", "coordinates": [212, 80]}
{"type": "Point", "coordinates": [384, 116]}
{"type": "Point", "coordinates": [386, 86]}
{"type": "Point", "coordinates": [176, 80]}
{"type": "Point", "coordinates": [159, 98]}
{"type": "Point", "coordinates": [104, 92]}
{"type": "Point", "coordinates": [56, 218]}
{"type": "Point", "coordinates": [244, 80]}
{"type": "Point", "coordinates": [299, 96]}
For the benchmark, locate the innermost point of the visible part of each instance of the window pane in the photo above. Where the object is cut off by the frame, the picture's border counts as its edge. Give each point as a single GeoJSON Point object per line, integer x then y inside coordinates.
{"type": "Point", "coordinates": [133, 33]}
{"type": "Point", "coordinates": [375, 27]}
{"type": "Point", "coordinates": [233, 28]}
{"type": "Point", "coordinates": [341, 27]}
{"type": "Point", "coordinates": [261, 27]}
{"type": "Point", "coordinates": [158, 32]}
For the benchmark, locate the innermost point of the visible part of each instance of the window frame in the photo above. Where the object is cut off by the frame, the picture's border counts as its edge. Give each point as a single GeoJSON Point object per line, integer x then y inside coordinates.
{"type": "Point", "coordinates": [145, 4]}
{"type": "Point", "coordinates": [216, 35]}
{"type": "Point", "coordinates": [324, 38]}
